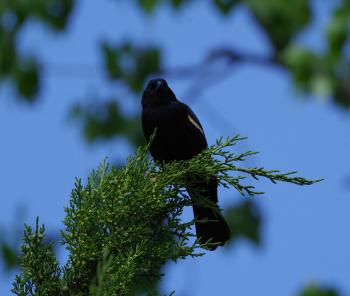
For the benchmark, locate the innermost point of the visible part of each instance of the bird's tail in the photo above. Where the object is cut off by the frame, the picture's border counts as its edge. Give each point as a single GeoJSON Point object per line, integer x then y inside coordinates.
{"type": "Point", "coordinates": [211, 225]}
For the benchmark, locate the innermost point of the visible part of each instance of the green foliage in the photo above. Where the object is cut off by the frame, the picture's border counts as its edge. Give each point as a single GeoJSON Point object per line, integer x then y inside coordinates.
{"type": "Point", "coordinates": [9, 254]}
{"type": "Point", "coordinates": [302, 63]}
{"type": "Point", "coordinates": [124, 224]}
{"type": "Point", "coordinates": [338, 39]}
{"type": "Point", "coordinates": [22, 70]}
{"type": "Point", "coordinates": [225, 6]}
{"type": "Point", "coordinates": [281, 22]}
{"type": "Point", "coordinates": [26, 76]}
{"type": "Point", "coordinates": [325, 74]}
{"type": "Point", "coordinates": [10, 242]}
{"type": "Point", "coordinates": [244, 221]}
{"type": "Point", "coordinates": [313, 290]}
{"type": "Point", "coordinates": [40, 271]}
{"type": "Point", "coordinates": [104, 121]}
{"type": "Point", "coordinates": [338, 30]}
{"type": "Point", "coordinates": [322, 75]}
{"type": "Point", "coordinates": [131, 64]}
{"type": "Point", "coordinates": [179, 3]}
{"type": "Point", "coordinates": [148, 5]}
{"type": "Point", "coordinates": [122, 211]}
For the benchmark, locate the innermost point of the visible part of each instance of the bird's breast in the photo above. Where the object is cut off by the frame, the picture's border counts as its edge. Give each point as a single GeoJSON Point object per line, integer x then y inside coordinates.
{"type": "Point", "coordinates": [172, 140]}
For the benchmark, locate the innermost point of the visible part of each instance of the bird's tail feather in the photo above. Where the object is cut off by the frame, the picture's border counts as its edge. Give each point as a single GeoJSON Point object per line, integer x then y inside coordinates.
{"type": "Point", "coordinates": [216, 230]}
{"type": "Point", "coordinates": [211, 225]}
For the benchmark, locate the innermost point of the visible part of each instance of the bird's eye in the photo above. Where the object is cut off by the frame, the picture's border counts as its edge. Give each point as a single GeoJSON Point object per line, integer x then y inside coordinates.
{"type": "Point", "coordinates": [156, 85]}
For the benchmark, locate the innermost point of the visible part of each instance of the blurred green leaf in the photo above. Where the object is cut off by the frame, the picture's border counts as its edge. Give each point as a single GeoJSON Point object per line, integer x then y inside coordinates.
{"type": "Point", "coordinates": [106, 120]}
{"type": "Point", "coordinates": [17, 67]}
{"type": "Point", "coordinates": [303, 65]}
{"type": "Point", "coordinates": [342, 92]}
{"type": "Point", "coordinates": [179, 3]}
{"type": "Point", "coordinates": [111, 61]}
{"type": "Point", "coordinates": [131, 64]}
{"type": "Point", "coordinates": [9, 255]}
{"type": "Point", "coordinates": [148, 5]}
{"type": "Point", "coordinates": [26, 77]}
{"type": "Point", "coordinates": [225, 6]}
{"type": "Point", "coordinates": [8, 55]}
{"type": "Point", "coordinates": [321, 84]}
{"type": "Point", "coordinates": [319, 74]}
{"type": "Point", "coordinates": [148, 62]}
{"type": "Point", "coordinates": [313, 290]}
{"type": "Point", "coordinates": [337, 33]}
{"type": "Point", "coordinates": [281, 21]}
{"type": "Point", "coordinates": [338, 30]}
{"type": "Point", "coordinates": [54, 13]}
{"type": "Point", "coordinates": [244, 221]}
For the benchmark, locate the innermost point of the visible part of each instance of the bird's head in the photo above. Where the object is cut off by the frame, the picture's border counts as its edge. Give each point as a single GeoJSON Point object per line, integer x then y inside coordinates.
{"type": "Point", "coordinates": [157, 92]}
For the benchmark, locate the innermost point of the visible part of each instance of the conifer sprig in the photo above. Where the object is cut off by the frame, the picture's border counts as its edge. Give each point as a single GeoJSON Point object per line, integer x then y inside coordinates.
{"type": "Point", "coordinates": [134, 212]}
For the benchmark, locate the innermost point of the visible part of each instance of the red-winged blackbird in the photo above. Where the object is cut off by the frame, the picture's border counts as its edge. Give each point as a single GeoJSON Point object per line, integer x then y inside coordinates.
{"type": "Point", "coordinates": [179, 136]}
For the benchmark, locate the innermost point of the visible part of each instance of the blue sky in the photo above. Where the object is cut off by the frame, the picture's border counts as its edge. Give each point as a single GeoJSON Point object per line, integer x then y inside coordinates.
{"type": "Point", "coordinates": [305, 234]}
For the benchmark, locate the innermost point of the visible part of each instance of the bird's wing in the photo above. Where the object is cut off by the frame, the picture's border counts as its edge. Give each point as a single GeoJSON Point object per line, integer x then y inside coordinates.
{"type": "Point", "coordinates": [194, 120]}
{"type": "Point", "coordinates": [194, 128]}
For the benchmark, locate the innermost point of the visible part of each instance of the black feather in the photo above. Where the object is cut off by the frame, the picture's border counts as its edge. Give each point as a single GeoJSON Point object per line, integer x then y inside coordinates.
{"type": "Point", "coordinates": [179, 137]}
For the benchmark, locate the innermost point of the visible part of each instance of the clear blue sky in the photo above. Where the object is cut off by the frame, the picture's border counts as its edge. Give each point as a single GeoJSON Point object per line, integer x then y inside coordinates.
{"type": "Point", "coordinates": [305, 234]}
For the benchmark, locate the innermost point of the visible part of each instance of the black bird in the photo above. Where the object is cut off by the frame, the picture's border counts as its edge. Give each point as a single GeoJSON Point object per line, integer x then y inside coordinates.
{"type": "Point", "coordinates": [180, 136]}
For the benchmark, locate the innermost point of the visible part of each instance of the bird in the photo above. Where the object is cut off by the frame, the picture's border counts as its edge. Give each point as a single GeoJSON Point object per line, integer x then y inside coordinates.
{"type": "Point", "coordinates": [180, 136]}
